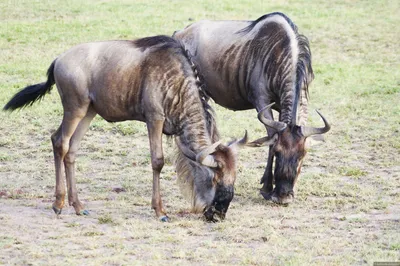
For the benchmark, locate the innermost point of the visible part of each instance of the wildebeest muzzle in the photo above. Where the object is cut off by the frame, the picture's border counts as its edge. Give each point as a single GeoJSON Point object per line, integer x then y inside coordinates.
{"type": "Point", "coordinates": [222, 199]}
{"type": "Point", "coordinates": [283, 193]}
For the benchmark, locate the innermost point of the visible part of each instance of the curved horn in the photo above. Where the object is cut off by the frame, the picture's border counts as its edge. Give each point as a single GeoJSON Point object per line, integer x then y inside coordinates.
{"type": "Point", "coordinates": [308, 131]}
{"type": "Point", "coordinates": [244, 140]}
{"type": "Point", "coordinates": [185, 150]}
{"type": "Point", "coordinates": [205, 158]}
{"type": "Point", "coordinates": [239, 143]}
{"type": "Point", "coordinates": [263, 141]}
{"type": "Point", "coordinates": [278, 126]}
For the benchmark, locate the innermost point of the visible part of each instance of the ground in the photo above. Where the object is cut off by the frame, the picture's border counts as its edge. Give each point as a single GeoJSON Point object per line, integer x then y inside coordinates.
{"type": "Point", "coordinates": [347, 200]}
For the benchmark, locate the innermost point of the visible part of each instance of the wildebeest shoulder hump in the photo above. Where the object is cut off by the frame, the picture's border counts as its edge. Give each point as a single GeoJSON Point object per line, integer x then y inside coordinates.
{"type": "Point", "coordinates": [255, 22]}
{"type": "Point", "coordinates": [162, 41]}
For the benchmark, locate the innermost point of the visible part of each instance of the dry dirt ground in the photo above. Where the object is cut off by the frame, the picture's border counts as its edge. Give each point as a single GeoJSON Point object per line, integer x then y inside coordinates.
{"type": "Point", "coordinates": [347, 199]}
{"type": "Point", "coordinates": [346, 209]}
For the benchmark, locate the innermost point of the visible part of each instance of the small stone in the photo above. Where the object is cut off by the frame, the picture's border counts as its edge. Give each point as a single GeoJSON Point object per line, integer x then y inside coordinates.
{"type": "Point", "coordinates": [164, 219]}
{"type": "Point", "coordinates": [119, 189]}
{"type": "Point", "coordinates": [84, 212]}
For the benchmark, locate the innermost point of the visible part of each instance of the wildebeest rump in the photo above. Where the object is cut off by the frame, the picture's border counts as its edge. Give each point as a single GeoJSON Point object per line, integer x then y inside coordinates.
{"type": "Point", "coordinates": [260, 64]}
{"type": "Point", "coordinates": [149, 80]}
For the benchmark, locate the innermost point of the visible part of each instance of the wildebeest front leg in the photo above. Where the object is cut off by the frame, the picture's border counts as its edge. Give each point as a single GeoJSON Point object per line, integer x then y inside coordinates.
{"type": "Point", "coordinates": [267, 179]}
{"type": "Point", "coordinates": [157, 162]}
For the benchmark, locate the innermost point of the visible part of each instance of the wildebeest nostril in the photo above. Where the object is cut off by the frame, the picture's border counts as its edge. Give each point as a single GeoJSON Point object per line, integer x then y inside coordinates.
{"type": "Point", "coordinates": [220, 205]}
{"type": "Point", "coordinates": [284, 189]}
{"type": "Point", "coordinates": [283, 194]}
{"type": "Point", "coordinates": [222, 201]}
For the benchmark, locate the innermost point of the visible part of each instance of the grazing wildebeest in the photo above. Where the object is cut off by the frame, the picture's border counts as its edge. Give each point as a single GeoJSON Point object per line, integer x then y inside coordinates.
{"type": "Point", "coordinates": [260, 64]}
{"type": "Point", "coordinates": [149, 80]}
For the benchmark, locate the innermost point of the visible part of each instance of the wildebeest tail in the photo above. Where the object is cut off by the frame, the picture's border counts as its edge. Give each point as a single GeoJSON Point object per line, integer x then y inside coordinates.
{"type": "Point", "coordinates": [32, 93]}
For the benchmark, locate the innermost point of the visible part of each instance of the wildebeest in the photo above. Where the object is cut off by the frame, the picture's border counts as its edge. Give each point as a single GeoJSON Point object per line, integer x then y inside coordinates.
{"type": "Point", "coordinates": [149, 80]}
{"type": "Point", "coordinates": [260, 64]}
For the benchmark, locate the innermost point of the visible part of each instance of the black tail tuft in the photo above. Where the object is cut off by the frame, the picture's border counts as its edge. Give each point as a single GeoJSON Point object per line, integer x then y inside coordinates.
{"type": "Point", "coordinates": [33, 93]}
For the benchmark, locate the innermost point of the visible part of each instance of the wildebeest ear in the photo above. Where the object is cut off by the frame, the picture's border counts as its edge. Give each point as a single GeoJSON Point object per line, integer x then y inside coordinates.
{"type": "Point", "coordinates": [185, 150]}
{"type": "Point", "coordinates": [265, 141]}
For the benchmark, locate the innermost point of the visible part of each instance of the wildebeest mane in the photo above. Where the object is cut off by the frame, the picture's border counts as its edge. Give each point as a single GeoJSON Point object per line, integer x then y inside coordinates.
{"type": "Point", "coordinates": [186, 169]}
{"type": "Point", "coordinates": [208, 110]}
{"type": "Point", "coordinates": [199, 77]}
{"type": "Point", "coordinates": [161, 42]}
{"type": "Point", "coordinates": [304, 71]}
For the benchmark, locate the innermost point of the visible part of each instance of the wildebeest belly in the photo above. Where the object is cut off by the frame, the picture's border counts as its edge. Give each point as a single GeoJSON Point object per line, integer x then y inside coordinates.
{"type": "Point", "coordinates": [116, 107]}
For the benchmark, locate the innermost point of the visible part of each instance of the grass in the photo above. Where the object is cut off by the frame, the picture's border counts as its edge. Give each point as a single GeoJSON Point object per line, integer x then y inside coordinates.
{"type": "Point", "coordinates": [346, 210]}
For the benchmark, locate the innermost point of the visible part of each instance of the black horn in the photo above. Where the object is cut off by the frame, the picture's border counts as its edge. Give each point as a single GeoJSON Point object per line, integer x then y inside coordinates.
{"type": "Point", "coordinates": [265, 141]}
{"type": "Point", "coordinates": [309, 131]}
{"type": "Point", "coordinates": [241, 142]}
{"type": "Point", "coordinates": [278, 126]}
{"type": "Point", "coordinates": [185, 150]}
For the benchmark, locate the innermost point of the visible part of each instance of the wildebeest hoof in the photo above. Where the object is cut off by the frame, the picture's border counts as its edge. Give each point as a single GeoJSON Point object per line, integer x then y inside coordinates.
{"type": "Point", "coordinates": [56, 210]}
{"type": "Point", "coordinates": [209, 215]}
{"type": "Point", "coordinates": [266, 195]}
{"type": "Point", "coordinates": [212, 220]}
{"type": "Point", "coordinates": [84, 212]}
{"type": "Point", "coordinates": [164, 218]}
{"type": "Point", "coordinates": [283, 200]}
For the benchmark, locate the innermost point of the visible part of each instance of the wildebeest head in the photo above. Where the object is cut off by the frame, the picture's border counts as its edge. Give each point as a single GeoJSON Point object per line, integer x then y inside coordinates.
{"type": "Point", "coordinates": [214, 176]}
{"type": "Point", "coordinates": [289, 149]}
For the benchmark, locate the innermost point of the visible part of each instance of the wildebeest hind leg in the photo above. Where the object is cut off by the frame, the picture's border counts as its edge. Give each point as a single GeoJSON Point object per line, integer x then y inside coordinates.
{"type": "Point", "coordinates": [60, 140]}
{"type": "Point", "coordinates": [59, 167]}
{"type": "Point", "coordinates": [155, 128]}
{"type": "Point", "coordinates": [69, 162]}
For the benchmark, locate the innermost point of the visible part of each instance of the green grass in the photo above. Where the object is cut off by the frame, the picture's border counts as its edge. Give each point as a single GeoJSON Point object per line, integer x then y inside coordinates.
{"type": "Point", "coordinates": [106, 219]}
{"type": "Point", "coordinates": [346, 210]}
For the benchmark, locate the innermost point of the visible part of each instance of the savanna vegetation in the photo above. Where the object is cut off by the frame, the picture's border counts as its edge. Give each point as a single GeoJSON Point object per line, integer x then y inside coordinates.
{"type": "Point", "coordinates": [347, 205]}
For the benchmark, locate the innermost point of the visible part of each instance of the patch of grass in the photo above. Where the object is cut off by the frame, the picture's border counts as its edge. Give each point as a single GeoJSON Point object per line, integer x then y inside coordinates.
{"type": "Point", "coordinates": [358, 220]}
{"type": "Point", "coordinates": [5, 157]}
{"type": "Point", "coordinates": [73, 224]}
{"type": "Point", "coordinates": [395, 246]}
{"type": "Point", "coordinates": [6, 242]}
{"type": "Point", "coordinates": [383, 90]}
{"type": "Point", "coordinates": [93, 233]}
{"type": "Point", "coordinates": [352, 171]}
{"type": "Point", "coordinates": [126, 129]}
{"type": "Point", "coordinates": [106, 219]}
